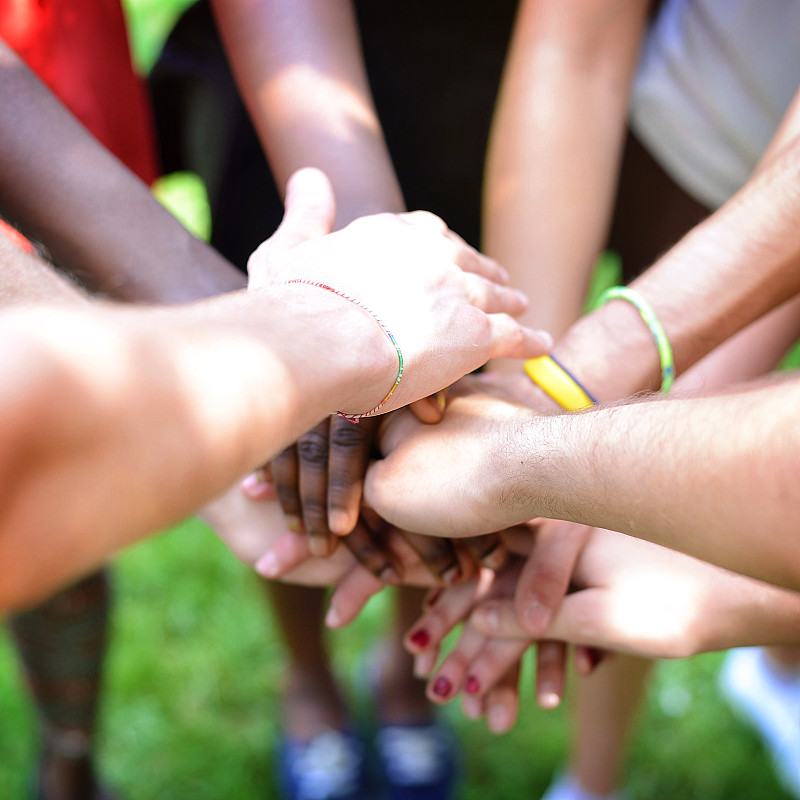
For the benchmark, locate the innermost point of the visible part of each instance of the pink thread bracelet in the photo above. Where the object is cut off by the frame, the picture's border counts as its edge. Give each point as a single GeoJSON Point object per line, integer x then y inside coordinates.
{"type": "Point", "coordinates": [354, 418]}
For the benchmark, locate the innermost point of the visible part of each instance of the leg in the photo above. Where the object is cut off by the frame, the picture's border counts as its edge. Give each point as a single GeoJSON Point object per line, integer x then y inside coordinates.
{"type": "Point", "coordinates": [415, 752]}
{"type": "Point", "coordinates": [605, 707]}
{"type": "Point", "coordinates": [401, 696]}
{"type": "Point", "coordinates": [317, 751]}
{"type": "Point", "coordinates": [62, 644]}
{"type": "Point", "coordinates": [312, 700]}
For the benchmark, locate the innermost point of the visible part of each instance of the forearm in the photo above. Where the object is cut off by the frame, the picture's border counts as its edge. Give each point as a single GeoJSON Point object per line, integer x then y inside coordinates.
{"type": "Point", "coordinates": [713, 477]}
{"type": "Point", "coordinates": [96, 218]}
{"type": "Point", "coordinates": [555, 146]}
{"type": "Point", "coordinates": [156, 412]}
{"type": "Point", "coordinates": [299, 67]}
{"type": "Point", "coordinates": [740, 263]}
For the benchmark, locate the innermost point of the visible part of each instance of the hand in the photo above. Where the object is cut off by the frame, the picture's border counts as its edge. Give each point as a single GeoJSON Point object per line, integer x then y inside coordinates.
{"type": "Point", "coordinates": [640, 598]}
{"type": "Point", "coordinates": [455, 486]}
{"type": "Point", "coordinates": [444, 302]}
{"type": "Point", "coordinates": [319, 485]}
{"type": "Point", "coordinates": [479, 666]}
{"type": "Point", "coordinates": [319, 480]}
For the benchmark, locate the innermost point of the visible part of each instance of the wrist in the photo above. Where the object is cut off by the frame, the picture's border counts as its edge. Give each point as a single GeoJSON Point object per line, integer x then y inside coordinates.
{"type": "Point", "coordinates": [611, 352]}
{"type": "Point", "coordinates": [337, 348]}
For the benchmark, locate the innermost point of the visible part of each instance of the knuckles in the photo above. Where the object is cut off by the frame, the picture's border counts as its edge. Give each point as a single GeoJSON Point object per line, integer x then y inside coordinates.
{"type": "Point", "coordinates": [312, 449]}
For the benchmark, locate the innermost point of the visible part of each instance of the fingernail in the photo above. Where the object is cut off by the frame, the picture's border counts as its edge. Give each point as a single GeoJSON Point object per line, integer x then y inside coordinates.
{"type": "Point", "coordinates": [339, 523]}
{"type": "Point", "coordinates": [537, 617]}
{"type": "Point", "coordinates": [267, 565]}
{"type": "Point", "coordinates": [441, 687]}
{"type": "Point", "coordinates": [430, 600]}
{"type": "Point", "coordinates": [546, 339]}
{"type": "Point", "coordinates": [255, 482]}
{"type": "Point", "coordinates": [294, 524]}
{"type": "Point", "coordinates": [547, 697]}
{"type": "Point", "coordinates": [332, 619]}
{"type": "Point", "coordinates": [420, 638]}
{"type": "Point", "coordinates": [472, 686]}
{"type": "Point", "coordinates": [452, 575]}
{"type": "Point", "coordinates": [497, 719]}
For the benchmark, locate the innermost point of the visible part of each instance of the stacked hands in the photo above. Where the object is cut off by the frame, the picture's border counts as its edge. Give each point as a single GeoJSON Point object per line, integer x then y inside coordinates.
{"type": "Point", "coordinates": [446, 305]}
{"type": "Point", "coordinates": [544, 582]}
{"type": "Point", "coordinates": [415, 499]}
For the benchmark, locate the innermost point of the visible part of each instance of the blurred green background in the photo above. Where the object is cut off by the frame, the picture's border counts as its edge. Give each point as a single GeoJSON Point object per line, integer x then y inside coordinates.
{"type": "Point", "coordinates": [190, 708]}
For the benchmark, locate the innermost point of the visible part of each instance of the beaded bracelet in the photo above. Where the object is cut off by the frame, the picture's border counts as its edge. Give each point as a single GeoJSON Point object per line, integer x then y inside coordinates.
{"type": "Point", "coordinates": [354, 418]}
{"type": "Point", "coordinates": [656, 328]}
{"type": "Point", "coordinates": [558, 382]}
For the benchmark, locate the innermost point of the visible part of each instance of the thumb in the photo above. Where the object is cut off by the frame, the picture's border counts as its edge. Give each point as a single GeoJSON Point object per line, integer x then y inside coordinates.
{"type": "Point", "coordinates": [310, 209]}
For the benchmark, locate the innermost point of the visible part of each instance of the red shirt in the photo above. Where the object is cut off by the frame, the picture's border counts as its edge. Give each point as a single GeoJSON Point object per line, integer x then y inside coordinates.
{"type": "Point", "coordinates": [79, 48]}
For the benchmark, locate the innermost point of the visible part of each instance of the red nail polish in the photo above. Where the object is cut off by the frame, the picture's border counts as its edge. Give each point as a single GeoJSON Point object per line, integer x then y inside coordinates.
{"type": "Point", "coordinates": [420, 638]}
{"type": "Point", "coordinates": [473, 687]}
{"type": "Point", "coordinates": [442, 687]}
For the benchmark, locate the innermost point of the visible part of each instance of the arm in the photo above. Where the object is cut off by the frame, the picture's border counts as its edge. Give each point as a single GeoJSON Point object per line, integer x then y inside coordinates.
{"type": "Point", "coordinates": [99, 220]}
{"type": "Point", "coordinates": [728, 271]}
{"type": "Point", "coordinates": [555, 145]}
{"type": "Point", "coordinates": [635, 597]}
{"type": "Point", "coordinates": [221, 385]}
{"type": "Point", "coordinates": [711, 476]}
{"type": "Point", "coordinates": [299, 66]}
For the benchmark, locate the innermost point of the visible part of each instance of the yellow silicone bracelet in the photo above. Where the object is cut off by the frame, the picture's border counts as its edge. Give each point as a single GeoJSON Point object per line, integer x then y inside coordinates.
{"type": "Point", "coordinates": [557, 382]}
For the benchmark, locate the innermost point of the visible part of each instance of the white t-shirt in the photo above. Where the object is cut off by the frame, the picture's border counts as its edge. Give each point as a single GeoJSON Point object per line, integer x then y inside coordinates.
{"type": "Point", "coordinates": [714, 80]}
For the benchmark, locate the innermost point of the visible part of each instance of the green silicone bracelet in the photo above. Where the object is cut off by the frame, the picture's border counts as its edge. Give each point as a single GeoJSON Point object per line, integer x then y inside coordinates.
{"type": "Point", "coordinates": [656, 328]}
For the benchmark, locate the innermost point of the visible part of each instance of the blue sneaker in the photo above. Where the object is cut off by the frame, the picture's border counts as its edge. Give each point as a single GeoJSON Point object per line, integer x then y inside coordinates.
{"type": "Point", "coordinates": [329, 767]}
{"type": "Point", "coordinates": [415, 762]}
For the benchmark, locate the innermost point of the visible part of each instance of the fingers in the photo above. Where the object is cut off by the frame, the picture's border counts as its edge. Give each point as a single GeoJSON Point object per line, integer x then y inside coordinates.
{"type": "Point", "coordinates": [492, 297]}
{"type": "Point", "coordinates": [477, 664]}
{"type": "Point", "coordinates": [448, 680]}
{"type": "Point", "coordinates": [466, 257]}
{"type": "Point", "coordinates": [488, 550]}
{"type": "Point", "coordinates": [498, 617]}
{"type": "Point", "coordinates": [286, 553]}
{"type": "Point", "coordinates": [259, 485]}
{"type": "Point", "coordinates": [430, 409]}
{"type": "Point", "coordinates": [348, 456]}
{"type": "Point", "coordinates": [312, 480]}
{"type": "Point", "coordinates": [546, 575]}
{"type": "Point", "coordinates": [438, 555]}
{"type": "Point", "coordinates": [511, 340]}
{"type": "Point", "coordinates": [310, 209]}
{"type": "Point", "coordinates": [502, 703]}
{"type": "Point", "coordinates": [373, 554]}
{"type": "Point", "coordinates": [442, 613]}
{"type": "Point", "coordinates": [350, 596]}
{"type": "Point", "coordinates": [285, 472]}
{"type": "Point", "coordinates": [551, 673]}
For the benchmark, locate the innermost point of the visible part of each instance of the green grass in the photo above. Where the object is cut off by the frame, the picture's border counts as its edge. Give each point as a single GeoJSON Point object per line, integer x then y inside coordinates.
{"type": "Point", "coordinates": [190, 708]}
{"type": "Point", "coordinates": [191, 702]}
